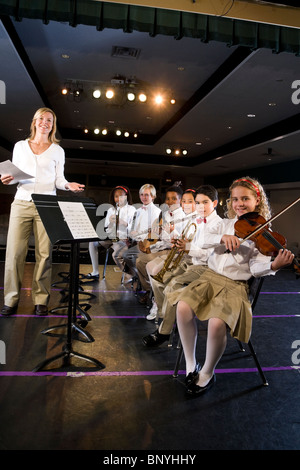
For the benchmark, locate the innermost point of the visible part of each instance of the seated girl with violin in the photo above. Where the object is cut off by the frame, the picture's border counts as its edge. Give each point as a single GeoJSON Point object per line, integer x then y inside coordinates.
{"type": "Point", "coordinates": [220, 294]}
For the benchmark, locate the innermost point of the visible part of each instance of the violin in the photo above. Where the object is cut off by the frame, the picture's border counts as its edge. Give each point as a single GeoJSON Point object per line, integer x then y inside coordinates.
{"type": "Point", "coordinates": [252, 226]}
{"type": "Point", "coordinates": [267, 242]}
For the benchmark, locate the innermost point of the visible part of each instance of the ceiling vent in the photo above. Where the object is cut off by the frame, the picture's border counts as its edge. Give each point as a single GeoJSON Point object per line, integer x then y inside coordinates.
{"type": "Point", "coordinates": [125, 52]}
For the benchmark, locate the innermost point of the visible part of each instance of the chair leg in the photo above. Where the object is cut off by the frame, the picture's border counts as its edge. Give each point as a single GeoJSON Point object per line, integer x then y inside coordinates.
{"type": "Point", "coordinates": [105, 263]}
{"type": "Point", "coordinates": [261, 373]}
{"type": "Point", "coordinates": [178, 360]}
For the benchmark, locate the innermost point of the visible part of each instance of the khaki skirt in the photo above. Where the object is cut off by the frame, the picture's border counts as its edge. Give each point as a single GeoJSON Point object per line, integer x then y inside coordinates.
{"type": "Point", "coordinates": [217, 296]}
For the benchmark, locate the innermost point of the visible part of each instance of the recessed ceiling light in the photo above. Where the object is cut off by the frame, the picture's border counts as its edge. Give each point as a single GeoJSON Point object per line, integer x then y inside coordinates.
{"type": "Point", "coordinates": [198, 143]}
{"type": "Point", "coordinates": [251, 115]}
{"type": "Point", "coordinates": [65, 56]}
{"type": "Point", "coordinates": [272, 104]}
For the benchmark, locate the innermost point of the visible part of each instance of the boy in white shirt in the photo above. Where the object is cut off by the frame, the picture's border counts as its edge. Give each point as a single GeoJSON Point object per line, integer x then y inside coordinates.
{"type": "Point", "coordinates": [145, 219]}
{"type": "Point", "coordinates": [171, 219]}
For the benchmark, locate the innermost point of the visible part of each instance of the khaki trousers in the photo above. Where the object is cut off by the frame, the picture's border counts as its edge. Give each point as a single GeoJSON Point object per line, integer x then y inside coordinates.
{"type": "Point", "coordinates": [141, 263]}
{"type": "Point", "coordinates": [24, 218]}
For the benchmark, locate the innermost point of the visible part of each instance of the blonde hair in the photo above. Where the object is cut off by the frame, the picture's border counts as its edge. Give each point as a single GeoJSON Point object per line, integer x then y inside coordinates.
{"type": "Point", "coordinates": [52, 138]}
{"type": "Point", "coordinates": [148, 186]}
{"type": "Point", "coordinates": [263, 207]}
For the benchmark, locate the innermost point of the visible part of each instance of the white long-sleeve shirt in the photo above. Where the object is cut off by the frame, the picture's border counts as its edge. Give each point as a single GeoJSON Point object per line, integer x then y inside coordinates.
{"type": "Point", "coordinates": [174, 216]}
{"type": "Point", "coordinates": [208, 235]}
{"type": "Point", "coordinates": [146, 218]}
{"type": "Point", "coordinates": [126, 214]}
{"type": "Point", "coordinates": [241, 264]}
{"type": "Point", "coordinates": [47, 170]}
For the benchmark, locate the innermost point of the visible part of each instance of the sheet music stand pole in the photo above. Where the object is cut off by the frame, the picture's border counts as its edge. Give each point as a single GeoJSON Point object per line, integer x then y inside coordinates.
{"type": "Point", "coordinates": [67, 351]}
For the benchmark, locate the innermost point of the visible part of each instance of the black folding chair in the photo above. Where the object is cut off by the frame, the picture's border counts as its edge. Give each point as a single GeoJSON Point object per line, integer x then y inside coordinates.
{"type": "Point", "coordinates": [255, 285]}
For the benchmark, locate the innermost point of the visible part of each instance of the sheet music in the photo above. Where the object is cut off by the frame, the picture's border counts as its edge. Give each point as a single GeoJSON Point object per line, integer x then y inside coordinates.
{"type": "Point", "coordinates": [77, 219]}
{"type": "Point", "coordinates": [8, 168]}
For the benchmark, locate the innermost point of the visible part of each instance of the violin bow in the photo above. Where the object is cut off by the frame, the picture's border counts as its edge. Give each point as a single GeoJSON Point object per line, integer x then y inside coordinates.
{"type": "Point", "coordinates": [258, 229]}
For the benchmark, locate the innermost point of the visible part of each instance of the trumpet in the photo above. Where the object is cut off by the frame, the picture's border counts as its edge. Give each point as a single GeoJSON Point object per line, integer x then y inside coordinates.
{"type": "Point", "coordinates": [175, 256]}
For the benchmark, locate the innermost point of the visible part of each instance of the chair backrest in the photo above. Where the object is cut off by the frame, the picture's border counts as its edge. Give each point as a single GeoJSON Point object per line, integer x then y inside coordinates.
{"type": "Point", "coordinates": [255, 285]}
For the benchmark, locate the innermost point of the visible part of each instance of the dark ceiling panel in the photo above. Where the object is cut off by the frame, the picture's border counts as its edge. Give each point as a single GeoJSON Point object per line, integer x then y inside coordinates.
{"type": "Point", "coordinates": [216, 85]}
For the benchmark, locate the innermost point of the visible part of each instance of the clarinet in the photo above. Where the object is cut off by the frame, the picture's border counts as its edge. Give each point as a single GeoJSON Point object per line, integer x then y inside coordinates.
{"type": "Point", "coordinates": [117, 222]}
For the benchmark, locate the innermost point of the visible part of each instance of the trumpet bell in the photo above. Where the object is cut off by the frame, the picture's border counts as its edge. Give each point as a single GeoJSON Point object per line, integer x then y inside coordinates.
{"type": "Point", "coordinates": [174, 257]}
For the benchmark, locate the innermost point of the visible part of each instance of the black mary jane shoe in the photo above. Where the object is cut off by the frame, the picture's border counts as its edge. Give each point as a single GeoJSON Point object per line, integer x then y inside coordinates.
{"type": "Point", "coordinates": [194, 390]}
{"type": "Point", "coordinates": [192, 376]}
{"type": "Point", "coordinates": [92, 276]}
{"type": "Point", "coordinates": [155, 339]}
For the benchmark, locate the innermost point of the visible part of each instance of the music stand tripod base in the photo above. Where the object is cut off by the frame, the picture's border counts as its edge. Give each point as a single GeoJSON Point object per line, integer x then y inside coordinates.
{"type": "Point", "coordinates": [66, 355]}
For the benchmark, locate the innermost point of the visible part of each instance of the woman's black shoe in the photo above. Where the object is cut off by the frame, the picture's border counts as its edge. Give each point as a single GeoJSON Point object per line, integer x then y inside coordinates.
{"type": "Point", "coordinates": [192, 376]}
{"type": "Point", "coordinates": [195, 390]}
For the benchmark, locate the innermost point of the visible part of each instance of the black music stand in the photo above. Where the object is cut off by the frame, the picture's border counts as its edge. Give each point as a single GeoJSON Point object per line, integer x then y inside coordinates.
{"type": "Point", "coordinates": [59, 232]}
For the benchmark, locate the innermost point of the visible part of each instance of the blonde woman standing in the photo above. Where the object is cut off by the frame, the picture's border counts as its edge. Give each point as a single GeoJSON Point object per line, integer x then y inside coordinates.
{"type": "Point", "coordinates": [40, 156]}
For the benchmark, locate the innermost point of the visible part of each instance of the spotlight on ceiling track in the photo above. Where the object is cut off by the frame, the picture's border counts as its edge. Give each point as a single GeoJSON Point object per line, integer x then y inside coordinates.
{"type": "Point", "coordinates": [96, 93]}
{"type": "Point", "coordinates": [130, 96]}
{"type": "Point", "coordinates": [142, 97]}
{"type": "Point", "coordinates": [158, 99]}
{"type": "Point", "coordinates": [176, 151]}
{"type": "Point", "coordinates": [109, 94]}
{"type": "Point", "coordinates": [65, 90]}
